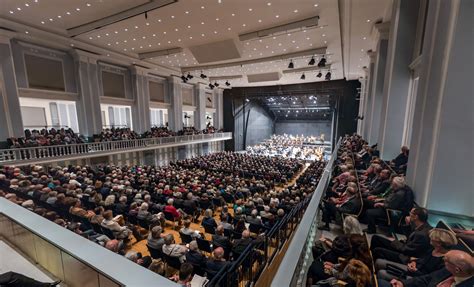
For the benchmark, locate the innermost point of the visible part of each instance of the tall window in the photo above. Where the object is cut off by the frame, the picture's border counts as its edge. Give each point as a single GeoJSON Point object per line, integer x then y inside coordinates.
{"type": "Point", "coordinates": [116, 116]}
{"type": "Point", "coordinates": [158, 117]}
{"type": "Point", "coordinates": [41, 113]}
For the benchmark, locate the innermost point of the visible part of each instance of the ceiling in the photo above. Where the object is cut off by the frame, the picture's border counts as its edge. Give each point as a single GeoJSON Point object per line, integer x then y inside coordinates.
{"type": "Point", "coordinates": [344, 28]}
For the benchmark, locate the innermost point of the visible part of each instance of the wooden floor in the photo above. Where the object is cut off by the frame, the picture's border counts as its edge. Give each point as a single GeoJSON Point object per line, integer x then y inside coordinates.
{"type": "Point", "coordinates": [141, 246]}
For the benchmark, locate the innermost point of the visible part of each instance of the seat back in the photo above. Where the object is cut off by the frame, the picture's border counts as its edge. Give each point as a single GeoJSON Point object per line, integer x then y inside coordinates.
{"type": "Point", "coordinates": [185, 238]}
{"type": "Point", "coordinates": [204, 245]}
{"type": "Point", "coordinates": [155, 253]}
{"type": "Point", "coordinates": [172, 261]}
{"type": "Point", "coordinates": [132, 219]}
{"type": "Point", "coordinates": [209, 228]}
{"type": "Point", "coordinates": [169, 216]}
{"type": "Point", "coordinates": [107, 232]}
{"type": "Point", "coordinates": [143, 223]}
{"type": "Point", "coordinates": [255, 228]}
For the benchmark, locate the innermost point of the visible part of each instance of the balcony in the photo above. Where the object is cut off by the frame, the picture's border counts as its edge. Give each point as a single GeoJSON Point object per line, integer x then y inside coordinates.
{"type": "Point", "coordinates": [44, 154]}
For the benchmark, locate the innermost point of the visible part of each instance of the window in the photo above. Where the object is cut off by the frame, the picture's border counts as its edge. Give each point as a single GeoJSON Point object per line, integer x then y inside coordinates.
{"type": "Point", "coordinates": [116, 116]}
{"type": "Point", "coordinates": [44, 73]}
{"type": "Point", "coordinates": [158, 117]}
{"type": "Point", "coordinates": [40, 113]}
{"type": "Point", "coordinates": [113, 85]}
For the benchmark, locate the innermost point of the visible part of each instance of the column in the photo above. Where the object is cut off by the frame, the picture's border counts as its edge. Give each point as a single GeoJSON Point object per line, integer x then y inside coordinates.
{"type": "Point", "coordinates": [175, 117]}
{"type": "Point", "coordinates": [11, 123]}
{"type": "Point", "coordinates": [89, 114]}
{"type": "Point", "coordinates": [141, 108]}
{"type": "Point", "coordinates": [200, 100]}
{"type": "Point", "coordinates": [440, 166]}
{"type": "Point", "coordinates": [378, 80]}
{"type": "Point", "coordinates": [219, 96]}
{"type": "Point", "coordinates": [397, 76]}
{"type": "Point", "coordinates": [369, 97]}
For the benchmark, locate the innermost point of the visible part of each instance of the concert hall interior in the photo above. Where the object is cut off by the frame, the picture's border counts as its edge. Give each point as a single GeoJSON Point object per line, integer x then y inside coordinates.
{"type": "Point", "coordinates": [236, 143]}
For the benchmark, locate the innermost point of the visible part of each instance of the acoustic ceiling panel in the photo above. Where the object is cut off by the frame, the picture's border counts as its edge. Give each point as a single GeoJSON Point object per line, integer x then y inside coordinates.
{"type": "Point", "coordinates": [264, 77]}
{"type": "Point", "coordinates": [214, 52]}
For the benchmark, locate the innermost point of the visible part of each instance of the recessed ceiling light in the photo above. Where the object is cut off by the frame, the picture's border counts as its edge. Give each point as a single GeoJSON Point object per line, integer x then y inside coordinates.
{"type": "Point", "coordinates": [202, 7]}
{"type": "Point", "coordinates": [59, 16]}
{"type": "Point", "coordinates": [108, 44]}
{"type": "Point", "coordinates": [215, 32]}
{"type": "Point", "coordinates": [18, 8]}
{"type": "Point", "coordinates": [164, 32]}
{"type": "Point", "coordinates": [176, 29]}
{"type": "Point", "coordinates": [98, 36]}
{"type": "Point", "coordinates": [116, 32]}
{"type": "Point", "coordinates": [187, 12]}
{"type": "Point", "coordinates": [365, 38]}
{"type": "Point", "coordinates": [148, 24]}
{"type": "Point", "coordinates": [203, 35]}
{"type": "Point", "coordinates": [51, 19]}
{"type": "Point", "coordinates": [159, 20]}
{"type": "Point", "coordinates": [362, 50]}
{"type": "Point", "coordinates": [90, 38]}
{"type": "Point", "coordinates": [26, 4]}
{"type": "Point", "coordinates": [324, 35]}
{"type": "Point", "coordinates": [88, 5]}
{"type": "Point", "coordinates": [277, 16]}
{"type": "Point", "coordinates": [243, 25]}
{"type": "Point", "coordinates": [78, 9]}
{"type": "Point", "coordinates": [368, 20]}
{"type": "Point", "coordinates": [125, 41]}
{"type": "Point", "coordinates": [11, 12]}
{"type": "Point", "coordinates": [250, 9]}
{"type": "Point", "coordinates": [172, 16]}
{"type": "Point", "coordinates": [316, 5]}
{"type": "Point", "coordinates": [259, 21]}
{"type": "Point", "coordinates": [42, 22]}
{"type": "Point", "coordinates": [26, 32]}
{"type": "Point", "coordinates": [325, 42]}
{"type": "Point", "coordinates": [202, 23]}
{"type": "Point", "coordinates": [279, 44]}
{"type": "Point", "coordinates": [190, 37]}
{"type": "Point", "coordinates": [295, 11]}
{"type": "Point", "coordinates": [217, 19]}
{"type": "Point", "coordinates": [229, 29]}
{"type": "Point", "coordinates": [269, 4]}
{"type": "Point", "coordinates": [136, 27]}
{"type": "Point", "coordinates": [233, 14]}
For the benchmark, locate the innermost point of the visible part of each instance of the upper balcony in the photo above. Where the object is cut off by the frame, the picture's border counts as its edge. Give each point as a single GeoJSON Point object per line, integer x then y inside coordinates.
{"type": "Point", "coordinates": [44, 154]}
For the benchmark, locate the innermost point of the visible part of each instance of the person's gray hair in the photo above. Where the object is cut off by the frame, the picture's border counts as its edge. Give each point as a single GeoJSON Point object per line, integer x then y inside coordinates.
{"type": "Point", "coordinates": [193, 245]}
{"type": "Point", "coordinates": [144, 206]}
{"type": "Point", "coordinates": [254, 213]}
{"type": "Point", "coordinates": [132, 255]}
{"type": "Point", "coordinates": [123, 199]}
{"type": "Point", "coordinates": [169, 239]}
{"type": "Point", "coordinates": [399, 181]}
{"type": "Point", "coordinates": [170, 201]}
{"type": "Point", "coordinates": [351, 225]}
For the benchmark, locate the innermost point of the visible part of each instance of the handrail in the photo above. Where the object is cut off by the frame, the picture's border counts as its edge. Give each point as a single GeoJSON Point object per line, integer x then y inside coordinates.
{"type": "Point", "coordinates": [297, 255]}
{"type": "Point", "coordinates": [41, 153]}
{"type": "Point", "coordinates": [70, 257]}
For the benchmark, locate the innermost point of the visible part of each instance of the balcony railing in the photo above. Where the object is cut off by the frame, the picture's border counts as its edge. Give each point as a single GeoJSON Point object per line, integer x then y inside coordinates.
{"type": "Point", "coordinates": [43, 154]}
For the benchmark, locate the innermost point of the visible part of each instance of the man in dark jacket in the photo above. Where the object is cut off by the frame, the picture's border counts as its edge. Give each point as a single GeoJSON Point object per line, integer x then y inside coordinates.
{"type": "Point", "coordinates": [220, 240]}
{"type": "Point", "coordinates": [400, 197]}
{"type": "Point", "coordinates": [349, 203]}
{"type": "Point", "coordinates": [458, 271]}
{"type": "Point", "coordinates": [416, 245]}
{"type": "Point", "coordinates": [194, 256]}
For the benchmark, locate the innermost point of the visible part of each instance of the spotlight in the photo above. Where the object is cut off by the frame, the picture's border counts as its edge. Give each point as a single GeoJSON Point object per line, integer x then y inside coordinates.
{"type": "Point", "coordinates": [190, 76]}
{"type": "Point", "coordinates": [247, 100]}
{"type": "Point", "coordinates": [291, 65]}
{"type": "Point", "coordinates": [328, 76]}
{"type": "Point", "coordinates": [211, 86]}
{"type": "Point", "coordinates": [216, 84]}
{"type": "Point", "coordinates": [303, 77]}
{"type": "Point", "coordinates": [322, 62]}
{"type": "Point", "coordinates": [203, 76]}
{"type": "Point", "coordinates": [319, 75]}
{"type": "Point", "coordinates": [312, 61]}
{"type": "Point", "coordinates": [184, 79]}
{"type": "Point", "coordinates": [227, 83]}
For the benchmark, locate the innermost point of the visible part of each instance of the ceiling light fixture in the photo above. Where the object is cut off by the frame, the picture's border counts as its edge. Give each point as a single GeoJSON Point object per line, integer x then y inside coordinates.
{"type": "Point", "coordinates": [203, 76]}
{"type": "Point", "coordinates": [322, 62]}
{"type": "Point", "coordinates": [312, 61]}
{"type": "Point", "coordinates": [216, 84]}
{"type": "Point", "coordinates": [291, 65]}
{"type": "Point", "coordinates": [189, 76]}
{"type": "Point", "coordinates": [328, 76]}
{"type": "Point", "coordinates": [303, 77]}
{"type": "Point", "coordinates": [211, 86]}
{"type": "Point", "coordinates": [227, 83]}
{"type": "Point", "coordinates": [183, 77]}
{"type": "Point", "coordinates": [319, 75]}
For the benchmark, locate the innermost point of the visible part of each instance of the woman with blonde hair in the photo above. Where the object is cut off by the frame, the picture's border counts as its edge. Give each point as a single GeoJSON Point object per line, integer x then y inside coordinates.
{"type": "Point", "coordinates": [356, 274]}
{"type": "Point", "coordinates": [442, 240]}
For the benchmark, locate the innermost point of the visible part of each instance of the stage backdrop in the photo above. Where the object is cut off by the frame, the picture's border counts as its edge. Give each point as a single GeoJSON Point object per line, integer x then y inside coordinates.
{"type": "Point", "coordinates": [307, 128]}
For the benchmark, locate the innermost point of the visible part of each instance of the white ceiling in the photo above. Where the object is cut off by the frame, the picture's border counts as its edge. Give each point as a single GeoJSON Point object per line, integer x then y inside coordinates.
{"type": "Point", "coordinates": [195, 22]}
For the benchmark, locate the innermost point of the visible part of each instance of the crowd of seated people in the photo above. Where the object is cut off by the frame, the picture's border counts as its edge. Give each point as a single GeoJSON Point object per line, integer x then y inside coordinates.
{"type": "Point", "coordinates": [279, 170]}
{"type": "Point", "coordinates": [158, 132]}
{"type": "Point", "coordinates": [300, 147]}
{"type": "Point", "coordinates": [116, 134]}
{"type": "Point", "coordinates": [46, 137]}
{"type": "Point", "coordinates": [108, 204]}
{"type": "Point", "coordinates": [368, 189]}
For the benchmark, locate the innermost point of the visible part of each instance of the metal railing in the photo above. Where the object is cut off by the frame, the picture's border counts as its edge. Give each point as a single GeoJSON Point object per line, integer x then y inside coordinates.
{"type": "Point", "coordinates": [41, 153]}
{"type": "Point", "coordinates": [293, 268]}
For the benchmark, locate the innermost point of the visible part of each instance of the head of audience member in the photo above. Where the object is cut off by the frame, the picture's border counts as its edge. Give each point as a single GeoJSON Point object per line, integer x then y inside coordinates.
{"type": "Point", "coordinates": [405, 150]}
{"type": "Point", "coordinates": [193, 246]}
{"type": "Point", "coordinates": [459, 263]}
{"type": "Point", "coordinates": [113, 245]}
{"type": "Point", "coordinates": [398, 182]}
{"type": "Point", "coordinates": [358, 272]}
{"type": "Point", "coordinates": [169, 239]}
{"type": "Point", "coordinates": [185, 273]}
{"type": "Point", "coordinates": [220, 229]}
{"type": "Point", "coordinates": [187, 223]}
{"type": "Point", "coordinates": [442, 240]}
{"type": "Point", "coordinates": [245, 234]}
{"type": "Point", "coordinates": [418, 216]}
{"type": "Point", "coordinates": [132, 256]}
{"type": "Point", "coordinates": [384, 174]}
{"type": "Point", "coordinates": [218, 254]}
{"type": "Point", "coordinates": [351, 225]}
{"type": "Point", "coordinates": [156, 232]}
{"type": "Point", "coordinates": [158, 267]}
{"type": "Point", "coordinates": [208, 213]}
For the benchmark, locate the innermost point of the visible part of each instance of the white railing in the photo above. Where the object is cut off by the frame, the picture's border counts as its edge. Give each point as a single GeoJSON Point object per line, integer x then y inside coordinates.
{"type": "Point", "coordinates": [41, 153]}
